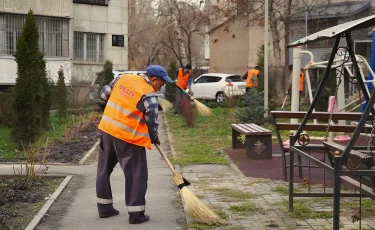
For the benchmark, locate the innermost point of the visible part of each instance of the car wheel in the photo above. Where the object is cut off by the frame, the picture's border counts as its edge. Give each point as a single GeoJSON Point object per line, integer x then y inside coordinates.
{"type": "Point", "coordinates": [220, 97]}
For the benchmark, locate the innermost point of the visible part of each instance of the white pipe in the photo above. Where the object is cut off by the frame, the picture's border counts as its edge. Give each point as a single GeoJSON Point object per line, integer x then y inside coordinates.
{"type": "Point", "coordinates": [266, 59]}
{"type": "Point", "coordinates": [351, 103]}
{"type": "Point", "coordinates": [307, 76]}
{"type": "Point", "coordinates": [295, 81]}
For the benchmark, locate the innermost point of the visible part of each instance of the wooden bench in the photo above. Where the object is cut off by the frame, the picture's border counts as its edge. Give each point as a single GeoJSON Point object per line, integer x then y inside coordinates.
{"type": "Point", "coordinates": [258, 143]}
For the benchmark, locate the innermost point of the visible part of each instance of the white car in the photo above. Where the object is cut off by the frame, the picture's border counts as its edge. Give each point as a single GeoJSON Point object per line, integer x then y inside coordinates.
{"type": "Point", "coordinates": [217, 86]}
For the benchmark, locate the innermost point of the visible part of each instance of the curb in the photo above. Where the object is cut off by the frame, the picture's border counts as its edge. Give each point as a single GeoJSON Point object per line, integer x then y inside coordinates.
{"type": "Point", "coordinates": [178, 170]}
{"type": "Point", "coordinates": [88, 154]}
{"type": "Point", "coordinates": [48, 204]}
{"type": "Point", "coordinates": [232, 165]}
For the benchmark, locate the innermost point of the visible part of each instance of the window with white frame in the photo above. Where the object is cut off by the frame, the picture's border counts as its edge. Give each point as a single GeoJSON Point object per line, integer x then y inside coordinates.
{"type": "Point", "coordinates": [53, 34]}
{"type": "Point", "coordinates": [88, 47]}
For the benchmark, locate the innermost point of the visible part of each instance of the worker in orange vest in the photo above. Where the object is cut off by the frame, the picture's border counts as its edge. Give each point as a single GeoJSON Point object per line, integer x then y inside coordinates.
{"type": "Point", "coordinates": [184, 79]}
{"type": "Point", "coordinates": [128, 126]}
{"type": "Point", "coordinates": [301, 82]}
{"type": "Point", "coordinates": [252, 78]}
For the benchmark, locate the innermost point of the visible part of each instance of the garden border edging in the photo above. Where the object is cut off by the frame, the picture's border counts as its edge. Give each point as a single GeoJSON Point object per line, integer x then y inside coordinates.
{"type": "Point", "coordinates": [48, 204]}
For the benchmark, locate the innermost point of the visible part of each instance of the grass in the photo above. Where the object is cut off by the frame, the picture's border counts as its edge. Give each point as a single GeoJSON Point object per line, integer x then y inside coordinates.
{"type": "Point", "coordinates": [368, 207]}
{"type": "Point", "coordinates": [302, 210]}
{"type": "Point", "coordinates": [201, 144]}
{"type": "Point", "coordinates": [233, 193]}
{"type": "Point", "coordinates": [244, 208]}
{"type": "Point", "coordinates": [283, 190]}
{"type": "Point", "coordinates": [55, 132]}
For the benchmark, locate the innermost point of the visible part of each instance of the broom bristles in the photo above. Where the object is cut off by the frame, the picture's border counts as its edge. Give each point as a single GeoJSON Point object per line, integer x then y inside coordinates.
{"type": "Point", "coordinates": [198, 211]}
{"type": "Point", "coordinates": [202, 108]}
{"type": "Point", "coordinates": [164, 104]}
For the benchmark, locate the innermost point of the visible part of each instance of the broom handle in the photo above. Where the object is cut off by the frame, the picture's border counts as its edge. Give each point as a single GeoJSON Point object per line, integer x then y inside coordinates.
{"type": "Point", "coordinates": [166, 159]}
{"type": "Point", "coordinates": [185, 92]}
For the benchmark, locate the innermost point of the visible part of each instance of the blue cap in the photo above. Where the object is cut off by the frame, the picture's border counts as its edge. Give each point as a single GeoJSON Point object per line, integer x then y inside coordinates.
{"type": "Point", "coordinates": [158, 71]}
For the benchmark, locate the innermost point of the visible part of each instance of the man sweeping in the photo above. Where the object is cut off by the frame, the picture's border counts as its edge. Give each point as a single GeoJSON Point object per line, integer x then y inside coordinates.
{"type": "Point", "coordinates": [129, 125]}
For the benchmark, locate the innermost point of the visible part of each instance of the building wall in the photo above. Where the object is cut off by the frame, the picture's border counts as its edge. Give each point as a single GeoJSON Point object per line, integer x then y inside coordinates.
{"type": "Point", "coordinates": [229, 48]}
{"type": "Point", "coordinates": [111, 20]}
{"type": "Point", "coordinates": [54, 8]}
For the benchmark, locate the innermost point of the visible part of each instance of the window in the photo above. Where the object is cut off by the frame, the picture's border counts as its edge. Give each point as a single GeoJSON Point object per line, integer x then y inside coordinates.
{"type": "Point", "coordinates": [318, 25]}
{"type": "Point", "coordinates": [53, 34]}
{"type": "Point", "coordinates": [118, 40]}
{"type": "Point", "coordinates": [88, 47]}
{"type": "Point", "coordinates": [92, 2]}
{"type": "Point", "coordinates": [211, 79]}
{"type": "Point", "coordinates": [201, 80]}
{"type": "Point", "coordinates": [234, 78]}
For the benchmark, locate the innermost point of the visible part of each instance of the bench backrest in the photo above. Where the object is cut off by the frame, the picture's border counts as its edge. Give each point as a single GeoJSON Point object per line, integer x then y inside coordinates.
{"type": "Point", "coordinates": [322, 117]}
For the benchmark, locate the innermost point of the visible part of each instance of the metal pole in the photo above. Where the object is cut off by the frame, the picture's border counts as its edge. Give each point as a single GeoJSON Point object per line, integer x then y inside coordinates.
{"type": "Point", "coordinates": [318, 92]}
{"type": "Point", "coordinates": [266, 58]}
{"type": "Point", "coordinates": [295, 81]}
{"type": "Point", "coordinates": [336, 191]}
{"type": "Point", "coordinates": [291, 180]}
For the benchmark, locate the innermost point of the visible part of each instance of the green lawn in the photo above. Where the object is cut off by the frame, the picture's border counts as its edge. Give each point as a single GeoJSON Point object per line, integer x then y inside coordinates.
{"type": "Point", "coordinates": [199, 145]}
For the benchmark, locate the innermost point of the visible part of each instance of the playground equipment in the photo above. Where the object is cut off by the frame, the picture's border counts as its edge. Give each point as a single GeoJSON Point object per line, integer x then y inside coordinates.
{"type": "Point", "coordinates": [351, 164]}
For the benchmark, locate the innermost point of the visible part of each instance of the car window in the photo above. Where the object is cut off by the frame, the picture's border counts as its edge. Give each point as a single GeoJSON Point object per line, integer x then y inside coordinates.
{"type": "Point", "coordinates": [212, 79]}
{"type": "Point", "coordinates": [234, 78]}
{"type": "Point", "coordinates": [201, 80]}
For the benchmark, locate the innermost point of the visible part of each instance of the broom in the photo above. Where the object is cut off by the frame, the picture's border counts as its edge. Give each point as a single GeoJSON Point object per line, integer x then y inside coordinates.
{"type": "Point", "coordinates": [164, 104]}
{"type": "Point", "coordinates": [202, 108]}
{"type": "Point", "coordinates": [196, 209]}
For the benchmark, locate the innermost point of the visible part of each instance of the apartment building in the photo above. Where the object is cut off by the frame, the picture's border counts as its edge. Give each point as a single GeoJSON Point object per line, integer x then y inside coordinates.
{"type": "Point", "coordinates": [77, 35]}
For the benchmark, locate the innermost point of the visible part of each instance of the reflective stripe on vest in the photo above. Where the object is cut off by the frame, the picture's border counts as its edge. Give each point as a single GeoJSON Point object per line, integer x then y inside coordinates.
{"type": "Point", "coordinates": [182, 80]}
{"type": "Point", "coordinates": [121, 117]}
{"type": "Point", "coordinates": [252, 78]}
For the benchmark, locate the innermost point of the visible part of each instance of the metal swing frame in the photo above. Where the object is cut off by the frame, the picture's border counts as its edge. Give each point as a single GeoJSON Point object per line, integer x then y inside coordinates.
{"type": "Point", "coordinates": [340, 157]}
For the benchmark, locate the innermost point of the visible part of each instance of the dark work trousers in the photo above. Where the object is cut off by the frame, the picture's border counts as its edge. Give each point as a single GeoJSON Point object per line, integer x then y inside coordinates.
{"type": "Point", "coordinates": [133, 161]}
{"type": "Point", "coordinates": [177, 105]}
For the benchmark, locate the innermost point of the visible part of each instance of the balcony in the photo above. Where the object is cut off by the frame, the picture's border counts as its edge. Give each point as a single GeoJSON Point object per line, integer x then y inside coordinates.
{"type": "Point", "coordinates": [93, 2]}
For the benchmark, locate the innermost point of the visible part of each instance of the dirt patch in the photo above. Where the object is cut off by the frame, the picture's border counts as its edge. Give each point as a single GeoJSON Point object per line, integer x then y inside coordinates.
{"type": "Point", "coordinates": [73, 150]}
{"type": "Point", "coordinates": [21, 199]}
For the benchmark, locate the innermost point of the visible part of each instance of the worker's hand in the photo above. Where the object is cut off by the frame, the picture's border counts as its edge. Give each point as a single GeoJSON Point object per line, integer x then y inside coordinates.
{"type": "Point", "coordinates": [175, 81]}
{"type": "Point", "coordinates": [287, 92]}
{"type": "Point", "coordinates": [155, 140]}
{"type": "Point", "coordinates": [187, 90]}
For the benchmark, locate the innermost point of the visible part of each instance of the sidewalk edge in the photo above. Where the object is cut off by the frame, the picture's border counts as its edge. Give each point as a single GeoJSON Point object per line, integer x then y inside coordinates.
{"type": "Point", "coordinates": [48, 204]}
{"type": "Point", "coordinates": [89, 153]}
{"type": "Point", "coordinates": [178, 168]}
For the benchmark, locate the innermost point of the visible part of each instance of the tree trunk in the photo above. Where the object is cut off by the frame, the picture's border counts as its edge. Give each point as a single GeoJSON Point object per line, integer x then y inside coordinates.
{"type": "Point", "coordinates": [178, 32]}
{"type": "Point", "coordinates": [280, 78]}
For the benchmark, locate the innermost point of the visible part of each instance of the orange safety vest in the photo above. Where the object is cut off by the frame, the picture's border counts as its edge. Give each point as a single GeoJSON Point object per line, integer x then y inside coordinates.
{"type": "Point", "coordinates": [301, 81]}
{"type": "Point", "coordinates": [182, 80]}
{"type": "Point", "coordinates": [121, 117]}
{"type": "Point", "coordinates": [252, 78]}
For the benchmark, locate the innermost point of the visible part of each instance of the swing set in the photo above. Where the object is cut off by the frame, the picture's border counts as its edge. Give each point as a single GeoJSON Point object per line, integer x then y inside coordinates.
{"type": "Point", "coordinates": [351, 164]}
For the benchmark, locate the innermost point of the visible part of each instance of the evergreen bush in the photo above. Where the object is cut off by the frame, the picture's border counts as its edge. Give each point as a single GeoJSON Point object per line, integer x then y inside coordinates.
{"type": "Point", "coordinates": [29, 108]}
{"type": "Point", "coordinates": [61, 95]}
{"type": "Point", "coordinates": [106, 75]}
{"type": "Point", "coordinates": [170, 89]}
{"type": "Point", "coordinates": [6, 99]}
{"type": "Point", "coordinates": [252, 110]}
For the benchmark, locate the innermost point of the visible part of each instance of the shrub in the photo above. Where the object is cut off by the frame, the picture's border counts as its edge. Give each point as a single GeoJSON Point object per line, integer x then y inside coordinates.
{"type": "Point", "coordinates": [170, 89]}
{"type": "Point", "coordinates": [253, 108]}
{"type": "Point", "coordinates": [30, 110]}
{"type": "Point", "coordinates": [6, 99]}
{"type": "Point", "coordinates": [106, 75]}
{"type": "Point", "coordinates": [61, 96]}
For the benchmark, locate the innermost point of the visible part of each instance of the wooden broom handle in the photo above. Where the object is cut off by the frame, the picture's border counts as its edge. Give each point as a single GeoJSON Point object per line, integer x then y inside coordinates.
{"type": "Point", "coordinates": [184, 91]}
{"type": "Point", "coordinates": [166, 159]}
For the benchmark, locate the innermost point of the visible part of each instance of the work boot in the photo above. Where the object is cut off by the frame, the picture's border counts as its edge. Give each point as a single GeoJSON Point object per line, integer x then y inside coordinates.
{"type": "Point", "coordinates": [138, 217]}
{"type": "Point", "coordinates": [107, 210]}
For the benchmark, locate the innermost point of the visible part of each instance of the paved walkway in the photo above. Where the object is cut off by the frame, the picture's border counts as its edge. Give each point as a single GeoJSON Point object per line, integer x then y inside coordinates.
{"type": "Point", "coordinates": [247, 203]}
